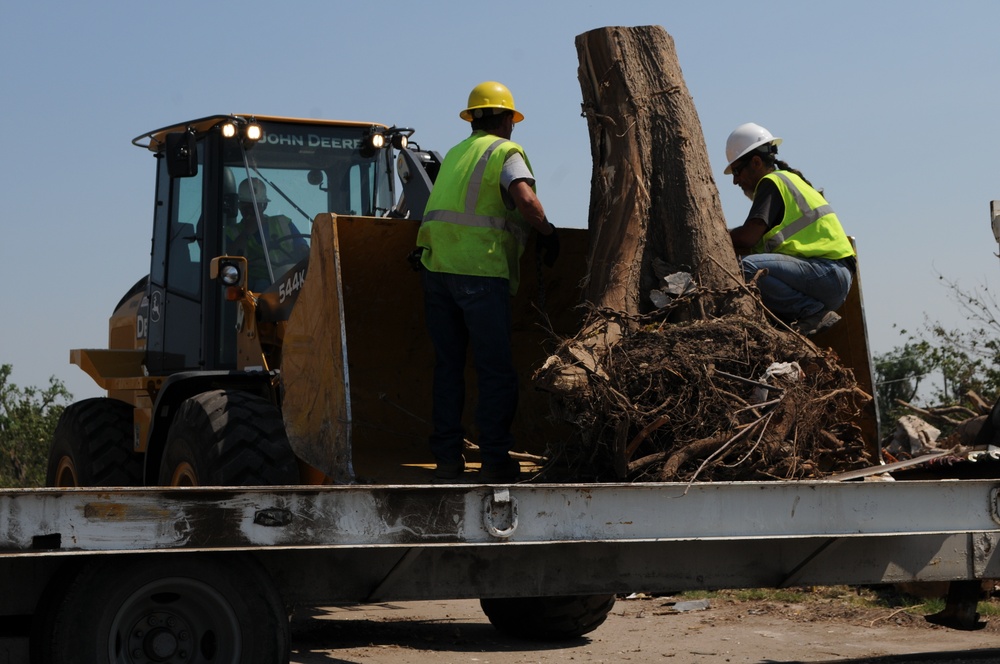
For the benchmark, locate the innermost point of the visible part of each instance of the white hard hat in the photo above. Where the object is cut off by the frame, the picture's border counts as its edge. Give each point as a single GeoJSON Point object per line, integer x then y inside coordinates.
{"type": "Point", "coordinates": [259, 191]}
{"type": "Point", "coordinates": [744, 139]}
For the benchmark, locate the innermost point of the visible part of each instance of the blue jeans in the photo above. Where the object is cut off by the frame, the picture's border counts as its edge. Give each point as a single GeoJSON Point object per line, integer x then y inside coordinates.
{"type": "Point", "coordinates": [795, 288]}
{"type": "Point", "coordinates": [464, 311]}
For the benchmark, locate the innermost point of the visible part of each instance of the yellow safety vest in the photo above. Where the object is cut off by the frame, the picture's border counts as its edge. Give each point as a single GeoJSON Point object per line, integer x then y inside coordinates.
{"type": "Point", "coordinates": [467, 229]}
{"type": "Point", "coordinates": [244, 239]}
{"type": "Point", "coordinates": [809, 229]}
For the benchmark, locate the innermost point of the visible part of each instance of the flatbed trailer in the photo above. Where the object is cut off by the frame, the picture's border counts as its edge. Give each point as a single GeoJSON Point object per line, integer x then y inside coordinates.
{"type": "Point", "coordinates": [333, 376]}
{"type": "Point", "coordinates": [95, 568]}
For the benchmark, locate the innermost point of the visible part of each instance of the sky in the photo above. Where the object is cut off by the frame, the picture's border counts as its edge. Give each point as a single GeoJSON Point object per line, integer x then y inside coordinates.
{"type": "Point", "coordinates": [890, 107]}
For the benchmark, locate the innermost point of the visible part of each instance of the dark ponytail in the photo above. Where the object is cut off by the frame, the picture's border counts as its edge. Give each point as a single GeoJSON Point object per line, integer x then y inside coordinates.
{"type": "Point", "coordinates": [769, 156]}
{"type": "Point", "coordinates": [785, 167]}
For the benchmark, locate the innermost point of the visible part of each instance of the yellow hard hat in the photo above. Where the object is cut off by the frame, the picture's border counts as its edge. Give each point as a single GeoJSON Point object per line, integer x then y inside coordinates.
{"type": "Point", "coordinates": [489, 94]}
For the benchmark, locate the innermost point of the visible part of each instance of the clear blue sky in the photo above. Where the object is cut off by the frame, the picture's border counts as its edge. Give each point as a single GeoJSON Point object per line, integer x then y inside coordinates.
{"type": "Point", "coordinates": [890, 107]}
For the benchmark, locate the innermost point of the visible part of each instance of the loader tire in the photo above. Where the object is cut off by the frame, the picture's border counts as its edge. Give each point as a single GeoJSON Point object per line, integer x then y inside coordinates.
{"type": "Point", "coordinates": [548, 618]}
{"type": "Point", "coordinates": [176, 608]}
{"type": "Point", "coordinates": [92, 446]}
{"type": "Point", "coordinates": [227, 438]}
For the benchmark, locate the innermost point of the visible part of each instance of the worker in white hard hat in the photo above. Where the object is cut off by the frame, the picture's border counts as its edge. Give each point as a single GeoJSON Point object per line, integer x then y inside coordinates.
{"type": "Point", "coordinates": [286, 245]}
{"type": "Point", "coordinates": [791, 233]}
{"type": "Point", "coordinates": [479, 217]}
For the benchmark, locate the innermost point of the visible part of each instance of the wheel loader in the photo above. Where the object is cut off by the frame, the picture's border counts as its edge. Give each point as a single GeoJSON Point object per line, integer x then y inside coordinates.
{"type": "Point", "coordinates": [279, 337]}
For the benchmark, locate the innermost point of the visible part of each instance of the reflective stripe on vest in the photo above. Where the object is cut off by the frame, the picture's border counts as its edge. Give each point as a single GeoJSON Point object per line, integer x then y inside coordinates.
{"type": "Point", "coordinates": [468, 217]}
{"type": "Point", "coordinates": [468, 228]}
{"type": "Point", "coordinates": [809, 215]}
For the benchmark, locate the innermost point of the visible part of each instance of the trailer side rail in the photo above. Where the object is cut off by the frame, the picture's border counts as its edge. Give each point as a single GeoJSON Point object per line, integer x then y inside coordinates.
{"type": "Point", "coordinates": [79, 521]}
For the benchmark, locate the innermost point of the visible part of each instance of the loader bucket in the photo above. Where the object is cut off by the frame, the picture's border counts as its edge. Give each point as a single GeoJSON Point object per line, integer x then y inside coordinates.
{"type": "Point", "coordinates": [357, 362]}
{"type": "Point", "coordinates": [849, 340]}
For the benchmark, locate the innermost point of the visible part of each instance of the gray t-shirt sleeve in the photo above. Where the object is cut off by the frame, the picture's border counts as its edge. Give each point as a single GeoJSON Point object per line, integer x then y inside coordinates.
{"type": "Point", "coordinates": [767, 205]}
{"type": "Point", "coordinates": [514, 169]}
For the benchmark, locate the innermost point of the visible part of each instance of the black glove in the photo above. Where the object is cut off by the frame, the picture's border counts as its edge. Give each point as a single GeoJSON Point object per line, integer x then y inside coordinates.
{"type": "Point", "coordinates": [548, 247]}
{"type": "Point", "coordinates": [413, 258]}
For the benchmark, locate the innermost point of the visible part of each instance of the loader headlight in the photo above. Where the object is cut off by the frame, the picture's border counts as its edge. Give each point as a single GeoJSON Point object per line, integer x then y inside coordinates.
{"type": "Point", "coordinates": [253, 131]}
{"type": "Point", "coordinates": [249, 130]}
{"type": "Point", "coordinates": [372, 142]}
{"type": "Point", "coordinates": [399, 137]}
{"type": "Point", "coordinates": [230, 271]}
{"type": "Point", "coordinates": [230, 274]}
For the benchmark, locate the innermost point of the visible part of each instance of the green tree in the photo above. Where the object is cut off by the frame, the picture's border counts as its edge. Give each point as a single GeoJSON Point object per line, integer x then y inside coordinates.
{"type": "Point", "coordinates": [898, 375]}
{"type": "Point", "coordinates": [961, 360]}
{"type": "Point", "coordinates": [967, 360]}
{"type": "Point", "coordinates": [28, 418]}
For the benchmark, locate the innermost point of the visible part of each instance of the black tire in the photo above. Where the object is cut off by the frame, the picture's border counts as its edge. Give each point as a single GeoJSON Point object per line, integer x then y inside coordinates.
{"type": "Point", "coordinates": [92, 446]}
{"type": "Point", "coordinates": [44, 615]}
{"type": "Point", "coordinates": [187, 608]}
{"type": "Point", "coordinates": [548, 618]}
{"type": "Point", "coordinates": [227, 438]}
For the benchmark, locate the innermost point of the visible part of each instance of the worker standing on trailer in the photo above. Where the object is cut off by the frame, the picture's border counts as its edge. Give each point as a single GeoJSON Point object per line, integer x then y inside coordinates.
{"type": "Point", "coordinates": [477, 222]}
{"type": "Point", "coordinates": [791, 231]}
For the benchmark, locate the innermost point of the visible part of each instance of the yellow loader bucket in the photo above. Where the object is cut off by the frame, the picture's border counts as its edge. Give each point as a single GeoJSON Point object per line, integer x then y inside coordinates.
{"type": "Point", "coordinates": [357, 361]}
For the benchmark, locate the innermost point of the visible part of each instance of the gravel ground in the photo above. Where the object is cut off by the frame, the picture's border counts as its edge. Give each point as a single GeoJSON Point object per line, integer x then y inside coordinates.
{"type": "Point", "coordinates": [642, 630]}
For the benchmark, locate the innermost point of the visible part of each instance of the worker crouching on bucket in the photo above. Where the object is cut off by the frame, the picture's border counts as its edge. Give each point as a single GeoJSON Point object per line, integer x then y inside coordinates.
{"type": "Point", "coordinates": [791, 232]}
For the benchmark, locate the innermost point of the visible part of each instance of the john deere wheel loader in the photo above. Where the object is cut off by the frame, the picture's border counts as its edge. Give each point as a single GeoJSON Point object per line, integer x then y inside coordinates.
{"type": "Point", "coordinates": [279, 335]}
{"type": "Point", "coordinates": [279, 339]}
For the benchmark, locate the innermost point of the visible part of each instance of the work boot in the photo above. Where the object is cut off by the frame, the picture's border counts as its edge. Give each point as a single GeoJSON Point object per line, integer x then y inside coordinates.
{"type": "Point", "coordinates": [506, 472]}
{"type": "Point", "coordinates": [810, 325]}
{"type": "Point", "coordinates": [448, 471]}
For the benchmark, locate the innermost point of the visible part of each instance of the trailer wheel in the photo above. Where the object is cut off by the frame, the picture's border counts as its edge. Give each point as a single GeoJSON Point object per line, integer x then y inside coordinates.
{"type": "Point", "coordinates": [186, 608]}
{"type": "Point", "coordinates": [227, 438]}
{"type": "Point", "coordinates": [548, 618]}
{"type": "Point", "coordinates": [92, 446]}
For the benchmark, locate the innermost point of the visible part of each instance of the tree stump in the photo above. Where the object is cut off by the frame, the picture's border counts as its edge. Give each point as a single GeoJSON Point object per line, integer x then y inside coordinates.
{"type": "Point", "coordinates": [679, 378]}
{"type": "Point", "coordinates": [652, 190]}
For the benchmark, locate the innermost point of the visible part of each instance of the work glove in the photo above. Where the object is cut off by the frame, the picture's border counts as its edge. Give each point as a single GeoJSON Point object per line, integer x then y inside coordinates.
{"type": "Point", "coordinates": [548, 247]}
{"type": "Point", "coordinates": [413, 258]}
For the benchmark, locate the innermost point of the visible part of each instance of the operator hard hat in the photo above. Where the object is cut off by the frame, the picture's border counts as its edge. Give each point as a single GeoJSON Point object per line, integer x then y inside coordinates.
{"type": "Point", "coordinates": [746, 138]}
{"type": "Point", "coordinates": [489, 94]}
{"type": "Point", "coordinates": [259, 191]}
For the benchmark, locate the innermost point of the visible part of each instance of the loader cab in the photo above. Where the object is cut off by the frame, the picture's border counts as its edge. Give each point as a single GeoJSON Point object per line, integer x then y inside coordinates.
{"type": "Point", "coordinates": [248, 186]}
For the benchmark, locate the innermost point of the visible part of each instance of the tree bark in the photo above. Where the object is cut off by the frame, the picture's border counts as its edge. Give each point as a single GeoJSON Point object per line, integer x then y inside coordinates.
{"type": "Point", "coordinates": [652, 190]}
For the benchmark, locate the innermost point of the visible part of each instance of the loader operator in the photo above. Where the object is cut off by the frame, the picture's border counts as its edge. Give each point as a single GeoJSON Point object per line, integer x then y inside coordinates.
{"type": "Point", "coordinates": [477, 221]}
{"type": "Point", "coordinates": [286, 246]}
{"type": "Point", "coordinates": [791, 232]}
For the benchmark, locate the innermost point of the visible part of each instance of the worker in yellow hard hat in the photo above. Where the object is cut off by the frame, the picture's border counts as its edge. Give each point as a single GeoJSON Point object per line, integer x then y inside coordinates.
{"type": "Point", "coordinates": [791, 231]}
{"type": "Point", "coordinates": [478, 219]}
